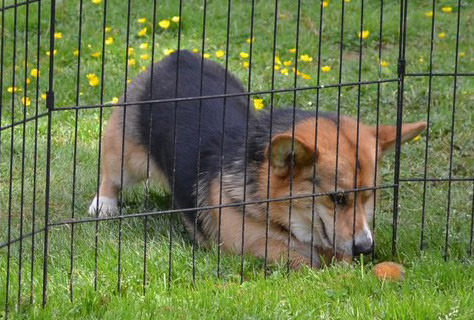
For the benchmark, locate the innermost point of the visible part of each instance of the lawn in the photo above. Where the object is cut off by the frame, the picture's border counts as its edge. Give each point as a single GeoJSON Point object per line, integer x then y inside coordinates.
{"type": "Point", "coordinates": [123, 272]}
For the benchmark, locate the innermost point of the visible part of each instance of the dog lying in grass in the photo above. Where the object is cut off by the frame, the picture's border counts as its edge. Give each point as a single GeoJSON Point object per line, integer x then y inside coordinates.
{"type": "Point", "coordinates": [213, 152]}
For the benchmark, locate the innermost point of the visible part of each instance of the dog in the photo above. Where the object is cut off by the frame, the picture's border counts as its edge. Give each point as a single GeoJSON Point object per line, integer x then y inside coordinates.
{"type": "Point", "coordinates": [215, 153]}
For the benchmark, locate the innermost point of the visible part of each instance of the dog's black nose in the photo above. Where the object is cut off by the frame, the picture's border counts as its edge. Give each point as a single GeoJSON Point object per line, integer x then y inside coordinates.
{"type": "Point", "coordinates": [363, 247]}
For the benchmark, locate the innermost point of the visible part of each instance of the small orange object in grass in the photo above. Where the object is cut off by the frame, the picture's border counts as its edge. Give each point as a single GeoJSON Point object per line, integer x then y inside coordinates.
{"type": "Point", "coordinates": [389, 271]}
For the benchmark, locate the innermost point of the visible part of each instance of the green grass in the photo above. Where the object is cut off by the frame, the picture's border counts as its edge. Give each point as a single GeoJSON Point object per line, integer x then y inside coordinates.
{"type": "Point", "coordinates": [433, 289]}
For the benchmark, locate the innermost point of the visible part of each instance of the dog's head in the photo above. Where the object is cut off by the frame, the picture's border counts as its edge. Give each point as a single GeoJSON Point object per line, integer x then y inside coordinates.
{"type": "Point", "coordinates": [341, 216]}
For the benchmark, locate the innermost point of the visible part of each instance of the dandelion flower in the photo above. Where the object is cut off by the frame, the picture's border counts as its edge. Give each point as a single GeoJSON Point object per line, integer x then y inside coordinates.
{"type": "Point", "coordinates": [43, 96]}
{"type": "Point", "coordinates": [325, 4]}
{"type": "Point", "coordinates": [109, 41]}
{"type": "Point", "coordinates": [167, 52]}
{"type": "Point", "coordinates": [13, 89]}
{"type": "Point", "coordinates": [418, 137]}
{"type": "Point", "coordinates": [95, 54]}
{"type": "Point", "coordinates": [54, 52]}
{"type": "Point", "coordinates": [28, 81]}
{"type": "Point", "coordinates": [206, 55]}
{"type": "Point", "coordinates": [141, 20]}
{"type": "Point", "coordinates": [447, 9]}
{"type": "Point", "coordinates": [165, 23]}
{"type": "Point", "coordinates": [142, 68]}
{"type": "Point", "coordinates": [383, 63]}
{"type": "Point", "coordinates": [421, 60]}
{"type": "Point", "coordinates": [245, 64]}
{"type": "Point", "coordinates": [258, 104]}
{"type": "Point", "coordinates": [287, 63]}
{"type": "Point", "coordinates": [175, 19]}
{"type": "Point", "coordinates": [35, 73]}
{"type": "Point", "coordinates": [250, 40]}
{"type": "Point", "coordinates": [244, 55]}
{"type": "Point", "coordinates": [129, 81]}
{"type": "Point", "coordinates": [195, 50]}
{"type": "Point", "coordinates": [144, 46]}
{"type": "Point", "coordinates": [142, 32]}
{"type": "Point", "coordinates": [145, 56]}
{"type": "Point", "coordinates": [277, 60]}
{"type": "Point", "coordinates": [276, 67]}
{"type": "Point", "coordinates": [96, 1]}
{"type": "Point", "coordinates": [429, 13]}
{"type": "Point", "coordinates": [108, 29]}
{"type": "Point", "coordinates": [462, 54]}
{"type": "Point", "coordinates": [132, 62]}
{"type": "Point", "coordinates": [306, 58]}
{"type": "Point", "coordinates": [220, 54]}
{"type": "Point", "coordinates": [26, 101]}
{"type": "Point", "coordinates": [326, 68]}
{"type": "Point", "coordinates": [364, 34]}
{"type": "Point", "coordinates": [114, 100]}
{"type": "Point", "coordinates": [58, 35]}
{"type": "Point", "coordinates": [284, 71]}
{"type": "Point", "coordinates": [93, 80]}
{"type": "Point", "coordinates": [292, 50]}
{"type": "Point", "coordinates": [441, 35]}
{"type": "Point", "coordinates": [75, 53]}
{"type": "Point", "coordinates": [305, 76]}
{"type": "Point", "coordinates": [347, 0]}
{"type": "Point", "coordinates": [131, 51]}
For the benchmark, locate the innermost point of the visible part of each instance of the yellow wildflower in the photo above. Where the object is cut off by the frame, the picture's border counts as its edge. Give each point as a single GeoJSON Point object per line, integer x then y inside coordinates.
{"type": "Point", "coordinates": [144, 45]}
{"type": "Point", "coordinates": [35, 73]}
{"type": "Point", "coordinates": [364, 34]}
{"type": "Point", "coordinates": [129, 80]}
{"type": "Point", "coordinates": [287, 63]}
{"type": "Point", "coordinates": [258, 104]}
{"type": "Point", "coordinates": [195, 50]}
{"type": "Point", "coordinates": [276, 67]}
{"type": "Point", "coordinates": [95, 54]}
{"type": "Point", "coordinates": [325, 4]}
{"type": "Point", "coordinates": [421, 60]}
{"type": "Point", "coordinates": [58, 35]}
{"type": "Point", "coordinates": [462, 54]}
{"type": "Point", "coordinates": [429, 13]}
{"type": "Point", "coordinates": [93, 80]}
{"type": "Point", "coordinates": [206, 55]}
{"type": "Point", "coordinates": [347, 0]}
{"type": "Point", "coordinates": [277, 60]}
{"type": "Point", "coordinates": [141, 20]}
{"type": "Point", "coordinates": [245, 64]}
{"type": "Point", "coordinates": [244, 55]}
{"type": "Point", "coordinates": [76, 53]}
{"type": "Point", "coordinates": [28, 81]}
{"type": "Point", "coordinates": [108, 29]}
{"type": "Point", "coordinates": [293, 50]}
{"type": "Point", "coordinates": [142, 68]}
{"type": "Point", "coordinates": [145, 56]}
{"type": "Point", "coordinates": [305, 76]}
{"type": "Point", "coordinates": [26, 101]}
{"type": "Point", "coordinates": [54, 52]}
{"type": "Point", "coordinates": [282, 16]}
{"type": "Point", "coordinates": [175, 19]}
{"type": "Point", "coordinates": [441, 35]}
{"type": "Point", "coordinates": [165, 23]}
{"type": "Point", "coordinates": [220, 54]}
{"type": "Point", "coordinates": [284, 71]}
{"type": "Point", "coordinates": [131, 51]}
{"type": "Point", "coordinates": [168, 51]}
{"type": "Point", "coordinates": [43, 96]}
{"type": "Point", "coordinates": [109, 41]}
{"type": "Point", "coordinates": [114, 100]}
{"type": "Point", "coordinates": [131, 62]}
{"type": "Point", "coordinates": [96, 1]}
{"type": "Point", "coordinates": [383, 63]}
{"type": "Point", "coordinates": [447, 9]}
{"type": "Point", "coordinates": [250, 40]}
{"type": "Point", "coordinates": [142, 32]}
{"type": "Point", "coordinates": [14, 89]}
{"type": "Point", "coordinates": [418, 137]}
{"type": "Point", "coordinates": [306, 58]}
{"type": "Point", "coordinates": [326, 68]}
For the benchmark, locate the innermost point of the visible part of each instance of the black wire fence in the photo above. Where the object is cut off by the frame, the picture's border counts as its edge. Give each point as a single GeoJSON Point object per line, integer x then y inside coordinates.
{"type": "Point", "coordinates": [53, 114]}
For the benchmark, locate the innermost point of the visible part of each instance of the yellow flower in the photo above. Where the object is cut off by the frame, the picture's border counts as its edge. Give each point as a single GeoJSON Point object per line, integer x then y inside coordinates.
{"type": "Point", "coordinates": [195, 50]}
{"type": "Point", "coordinates": [96, 1]}
{"type": "Point", "coordinates": [325, 4]}
{"type": "Point", "coordinates": [347, 0]}
{"type": "Point", "coordinates": [26, 101]}
{"type": "Point", "coordinates": [145, 56]}
{"type": "Point", "coordinates": [131, 51]}
{"type": "Point", "coordinates": [276, 67]}
{"type": "Point", "coordinates": [131, 62]}
{"type": "Point", "coordinates": [284, 71]}
{"type": "Point", "coordinates": [364, 35]}
{"type": "Point", "coordinates": [305, 76]}
{"type": "Point", "coordinates": [287, 63]}
{"type": "Point", "coordinates": [54, 52]}
{"type": "Point", "coordinates": [429, 13]}
{"type": "Point", "coordinates": [28, 81]}
{"type": "Point", "coordinates": [58, 35]}
{"type": "Point", "coordinates": [129, 80]}
{"type": "Point", "coordinates": [108, 29]}
{"type": "Point", "coordinates": [93, 80]}
{"type": "Point", "coordinates": [168, 51]}
{"type": "Point", "coordinates": [95, 54]}
{"type": "Point", "coordinates": [142, 68]}
{"type": "Point", "coordinates": [175, 19]}
{"type": "Point", "coordinates": [141, 20]}
{"type": "Point", "coordinates": [416, 138]}
{"type": "Point", "coordinates": [14, 89]}
{"type": "Point", "coordinates": [144, 45]}
{"type": "Point", "coordinates": [441, 35]}
{"type": "Point", "coordinates": [297, 72]}
{"type": "Point", "coordinates": [282, 16]}
{"type": "Point", "coordinates": [34, 73]}
{"type": "Point", "coordinates": [76, 53]}
{"type": "Point", "coordinates": [244, 55]}
{"type": "Point", "coordinates": [277, 60]}
{"type": "Point", "coordinates": [43, 96]}
{"type": "Point", "coordinates": [206, 55]}
{"type": "Point", "coordinates": [462, 54]}
{"type": "Point", "coordinates": [165, 23]}
{"type": "Point", "coordinates": [258, 104]}
{"type": "Point", "coordinates": [447, 9]}
{"type": "Point", "coordinates": [220, 53]}
{"type": "Point", "coordinates": [326, 68]}
{"type": "Point", "coordinates": [109, 41]}
{"type": "Point", "coordinates": [306, 58]}
{"type": "Point", "coordinates": [421, 60]}
{"type": "Point", "coordinates": [245, 64]}
{"type": "Point", "coordinates": [142, 32]}
{"type": "Point", "coordinates": [250, 40]}
{"type": "Point", "coordinates": [114, 100]}
{"type": "Point", "coordinates": [293, 50]}
{"type": "Point", "coordinates": [383, 63]}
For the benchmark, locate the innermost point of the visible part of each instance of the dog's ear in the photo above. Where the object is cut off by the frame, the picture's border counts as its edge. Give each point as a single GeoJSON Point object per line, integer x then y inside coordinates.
{"type": "Point", "coordinates": [280, 158]}
{"type": "Point", "coordinates": [388, 134]}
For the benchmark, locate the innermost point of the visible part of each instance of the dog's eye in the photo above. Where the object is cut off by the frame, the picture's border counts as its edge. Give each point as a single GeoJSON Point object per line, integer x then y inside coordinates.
{"type": "Point", "coordinates": [339, 198]}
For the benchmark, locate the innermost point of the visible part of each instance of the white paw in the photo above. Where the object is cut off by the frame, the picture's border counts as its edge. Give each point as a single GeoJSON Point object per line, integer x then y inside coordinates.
{"type": "Point", "coordinates": [105, 206]}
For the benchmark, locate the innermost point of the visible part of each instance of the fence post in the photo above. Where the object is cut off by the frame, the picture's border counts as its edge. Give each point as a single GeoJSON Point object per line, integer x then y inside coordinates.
{"type": "Point", "coordinates": [50, 106]}
{"type": "Point", "coordinates": [401, 82]}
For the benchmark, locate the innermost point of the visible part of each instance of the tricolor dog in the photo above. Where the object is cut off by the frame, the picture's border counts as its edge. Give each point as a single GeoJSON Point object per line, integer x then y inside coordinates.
{"type": "Point", "coordinates": [209, 151]}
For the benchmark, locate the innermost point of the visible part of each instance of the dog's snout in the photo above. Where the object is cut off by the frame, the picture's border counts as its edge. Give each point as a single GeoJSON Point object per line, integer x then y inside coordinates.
{"type": "Point", "coordinates": [363, 244]}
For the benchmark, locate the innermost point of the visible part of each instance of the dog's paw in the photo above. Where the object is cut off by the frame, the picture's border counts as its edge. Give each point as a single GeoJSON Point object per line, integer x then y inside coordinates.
{"type": "Point", "coordinates": [105, 207]}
